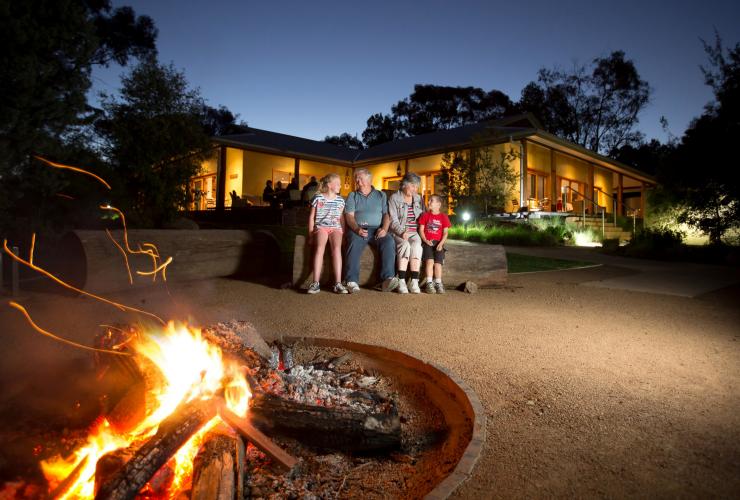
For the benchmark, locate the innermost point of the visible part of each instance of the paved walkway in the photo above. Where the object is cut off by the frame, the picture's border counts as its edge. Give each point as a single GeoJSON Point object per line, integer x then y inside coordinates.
{"type": "Point", "coordinates": [670, 278]}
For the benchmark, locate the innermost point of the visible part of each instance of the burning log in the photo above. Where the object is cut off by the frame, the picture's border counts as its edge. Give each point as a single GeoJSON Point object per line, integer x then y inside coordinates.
{"type": "Point", "coordinates": [257, 438]}
{"type": "Point", "coordinates": [332, 428]}
{"type": "Point", "coordinates": [216, 469]}
{"type": "Point", "coordinates": [173, 432]}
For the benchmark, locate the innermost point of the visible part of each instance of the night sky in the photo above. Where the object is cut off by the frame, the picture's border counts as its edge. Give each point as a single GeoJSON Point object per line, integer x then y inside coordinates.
{"type": "Point", "coordinates": [317, 68]}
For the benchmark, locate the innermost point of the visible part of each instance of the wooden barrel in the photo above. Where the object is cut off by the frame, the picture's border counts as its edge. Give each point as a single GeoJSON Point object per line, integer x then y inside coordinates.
{"type": "Point", "coordinates": [481, 263]}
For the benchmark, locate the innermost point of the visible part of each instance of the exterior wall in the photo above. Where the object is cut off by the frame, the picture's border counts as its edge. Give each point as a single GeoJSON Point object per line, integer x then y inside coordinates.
{"type": "Point", "coordinates": [382, 171]}
{"type": "Point", "coordinates": [538, 158]}
{"type": "Point", "coordinates": [571, 168]}
{"type": "Point", "coordinates": [425, 164]}
{"type": "Point", "coordinates": [604, 181]}
{"type": "Point", "coordinates": [234, 173]}
{"type": "Point", "coordinates": [318, 170]}
{"type": "Point", "coordinates": [260, 167]}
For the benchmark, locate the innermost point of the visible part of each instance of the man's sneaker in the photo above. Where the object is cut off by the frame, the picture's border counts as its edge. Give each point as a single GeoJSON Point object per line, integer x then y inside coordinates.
{"type": "Point", "coordinates": [353, 287]}
{"type": "Point", "coordinates": [314, 287]}
{"type": "Point", "coordinates": [414, 286]}
{"type": "Point", "coordinates": [439, 287]}
{"type": "Point", "coordinates": [390, 284]}
{"type": "Point", "coordinates": [339, 288]}
{"type": "Point", "coordinates": [429, 287]}
{"type": "Point", "coordinates": [402, 286]}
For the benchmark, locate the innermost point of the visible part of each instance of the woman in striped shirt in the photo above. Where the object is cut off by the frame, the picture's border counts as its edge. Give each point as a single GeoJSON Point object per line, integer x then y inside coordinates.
{"type": "Point", "coordinates": [404, 208]}
{"type": "Point", "coordinates": [326, 223]}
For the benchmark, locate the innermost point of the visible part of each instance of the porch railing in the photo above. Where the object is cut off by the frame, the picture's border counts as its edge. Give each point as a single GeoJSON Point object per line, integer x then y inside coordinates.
{"type": "Point", "coordinates": [596, 206]}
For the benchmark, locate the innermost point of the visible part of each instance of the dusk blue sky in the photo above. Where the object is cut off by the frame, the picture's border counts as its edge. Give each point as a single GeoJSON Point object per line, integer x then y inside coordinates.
{"type": "Point", "coordinates": [317, 68]}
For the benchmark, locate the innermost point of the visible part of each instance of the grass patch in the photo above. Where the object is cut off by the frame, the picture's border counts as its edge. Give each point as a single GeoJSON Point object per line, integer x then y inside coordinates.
{"type": "Point", "coordinates": [518, 263]}
{"type": "Point", "coordinates": [540, 233]}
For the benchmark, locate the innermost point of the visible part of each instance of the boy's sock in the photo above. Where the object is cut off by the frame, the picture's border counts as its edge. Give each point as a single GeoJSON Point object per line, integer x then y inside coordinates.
{"type": "Point", "coordinates": [415, 275]}
{"type": "Point", "coordinates": [428, 279]}
{"type": "Point", "coordinates": [438, 280]}
{"type": "Point", "coordinates": [402, 275]}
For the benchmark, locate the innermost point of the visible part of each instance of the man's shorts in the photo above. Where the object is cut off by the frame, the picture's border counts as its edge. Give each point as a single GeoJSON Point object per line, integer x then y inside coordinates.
{"type": "Point", "coordinates": [429, 252]}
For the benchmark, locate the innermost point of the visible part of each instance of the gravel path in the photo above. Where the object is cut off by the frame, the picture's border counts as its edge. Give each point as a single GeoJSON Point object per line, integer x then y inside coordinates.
{"type": "Point", "coordinates": [588, 391]}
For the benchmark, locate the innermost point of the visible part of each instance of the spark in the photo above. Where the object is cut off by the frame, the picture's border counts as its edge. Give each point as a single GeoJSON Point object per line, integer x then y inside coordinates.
{"type": "Point", "coordinates": [46, 273]}
{"type": "Point", "coordinates": [58, 338]}
{"type": "Point", "coordinates": [74, 169]}
{"type": "Point", "coordinates": [125, 257]}
{"type": "Point", "coordinates": [151, 251]}
{"type": "Point", "coordinates": [155, 271]}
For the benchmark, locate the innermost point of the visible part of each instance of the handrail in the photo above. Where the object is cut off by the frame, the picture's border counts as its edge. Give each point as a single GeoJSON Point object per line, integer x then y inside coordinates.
{"type": "Point", "coordinates": [596, 205]}
{"type": "Point", "coordinates": [614, 204]}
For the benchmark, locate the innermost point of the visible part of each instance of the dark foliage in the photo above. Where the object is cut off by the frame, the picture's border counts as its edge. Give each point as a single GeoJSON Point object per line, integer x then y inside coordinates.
{"type": "Point", "coordinates": [49, 48]}
{"type": "Point", "coordinates": [699, 176]}
{"type": "Point", "coordinates": [595, 106]}
{"type": "Point", "coordinates": [346, 140]}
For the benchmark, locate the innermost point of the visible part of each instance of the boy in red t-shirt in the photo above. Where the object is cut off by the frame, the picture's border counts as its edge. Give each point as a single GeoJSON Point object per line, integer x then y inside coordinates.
{"type": "Point", "coordinates": [433, 227]}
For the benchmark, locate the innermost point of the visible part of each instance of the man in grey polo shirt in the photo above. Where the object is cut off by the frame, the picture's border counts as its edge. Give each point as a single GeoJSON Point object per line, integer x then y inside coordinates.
{"type": "Point", "coordinates": [366, 213]}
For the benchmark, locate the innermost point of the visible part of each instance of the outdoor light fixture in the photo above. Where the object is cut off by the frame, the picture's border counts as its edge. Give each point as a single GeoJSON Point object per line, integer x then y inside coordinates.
{"type": "Point", "coordinates": [466, 218]}
{"type": "Point", "coordinates": [398, 170]}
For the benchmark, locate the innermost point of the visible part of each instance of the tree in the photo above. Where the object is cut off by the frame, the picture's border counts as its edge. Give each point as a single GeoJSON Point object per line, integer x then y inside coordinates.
{"type": "Point", "coordinates": [154, 138]}
{"type": "Point", "coordinates": [596, 107]}
{"type": "Point", "coordinates": [381, 128]}
{"type": "Point", "coordinates": [646, 156]}
{"type": "Point", "coordinates": [346, 140]}
{"type": "Point", "coordinates": [49, 48]}
{"type": "Point", "coordinates": [435, 107]}
{"type": "Point", "coordinates": [479, 178]}
{"type": "Point", "coordinates": [699, 176]}
{"type": "Point", "coordinates": [221, 121]}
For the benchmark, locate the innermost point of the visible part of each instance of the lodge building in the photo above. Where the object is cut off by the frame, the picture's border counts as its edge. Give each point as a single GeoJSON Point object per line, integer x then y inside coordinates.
{"type": "Point", "coordinates": [554, 174]}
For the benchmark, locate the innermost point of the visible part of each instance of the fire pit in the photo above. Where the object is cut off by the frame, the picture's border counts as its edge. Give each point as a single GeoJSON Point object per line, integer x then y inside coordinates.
{"type": "Point", "coordinates": [380, 424]}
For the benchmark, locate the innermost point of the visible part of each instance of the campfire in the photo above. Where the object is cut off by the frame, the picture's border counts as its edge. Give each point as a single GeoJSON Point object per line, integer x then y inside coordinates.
{"type": "Point", "coordinates": [192, 420]}
{"type": "Point", "coordinates": [216, 412]}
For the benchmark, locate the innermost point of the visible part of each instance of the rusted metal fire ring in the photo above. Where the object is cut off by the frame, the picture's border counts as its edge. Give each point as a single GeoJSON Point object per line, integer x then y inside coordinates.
{"type": "Point", "coordinates": [457, 391]}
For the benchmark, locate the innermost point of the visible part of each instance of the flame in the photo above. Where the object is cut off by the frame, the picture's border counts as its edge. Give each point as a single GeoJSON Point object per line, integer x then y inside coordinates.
{"type": "Point", "coordinates": [191, 368]}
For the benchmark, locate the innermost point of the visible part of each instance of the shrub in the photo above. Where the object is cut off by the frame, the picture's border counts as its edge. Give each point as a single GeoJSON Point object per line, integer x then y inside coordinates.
{"type": "Point", "coordinates": [515, 235]}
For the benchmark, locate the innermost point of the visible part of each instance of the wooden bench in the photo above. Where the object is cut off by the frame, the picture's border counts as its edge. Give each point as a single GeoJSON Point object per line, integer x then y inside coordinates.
{"type": "Point", "coordinates": [483, 264]}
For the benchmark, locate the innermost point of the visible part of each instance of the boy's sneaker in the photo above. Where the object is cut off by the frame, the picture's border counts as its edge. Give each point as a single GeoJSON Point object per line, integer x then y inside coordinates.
{"type": "Point", "coordinates": [414, 286]}
{"type": "Point", "coordinates": [353, 287]}
{"type": "Point", "coordinates": [402, 286]}
{"type": "Point", "coordinates": [339, 288]}
{"type": "Point", "coordinates": [439, 287]}
{"type": "Point", "coordinates": [429, 287]}
{"type": "Point", "coordinates": [314, 287]}
{"type": "Point", "coordinates": [390, 284]}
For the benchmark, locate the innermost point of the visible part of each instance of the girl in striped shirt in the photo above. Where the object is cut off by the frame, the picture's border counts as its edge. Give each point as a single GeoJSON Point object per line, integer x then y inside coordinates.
{"type": "Point", "coordinates": [326, 223]}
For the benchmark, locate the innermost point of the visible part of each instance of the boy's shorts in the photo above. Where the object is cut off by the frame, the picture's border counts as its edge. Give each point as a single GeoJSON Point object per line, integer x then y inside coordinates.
{"type": "Point", "coordinates": [429, 252]}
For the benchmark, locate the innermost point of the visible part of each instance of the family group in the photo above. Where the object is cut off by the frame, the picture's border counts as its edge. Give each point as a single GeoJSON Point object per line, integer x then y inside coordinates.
{"type": "Point", "coordinates": [398, 226]}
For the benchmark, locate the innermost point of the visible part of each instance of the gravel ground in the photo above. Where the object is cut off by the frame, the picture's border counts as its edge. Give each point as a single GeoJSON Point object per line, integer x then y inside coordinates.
{"type": "Point", "coordinates": [589, 392]}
